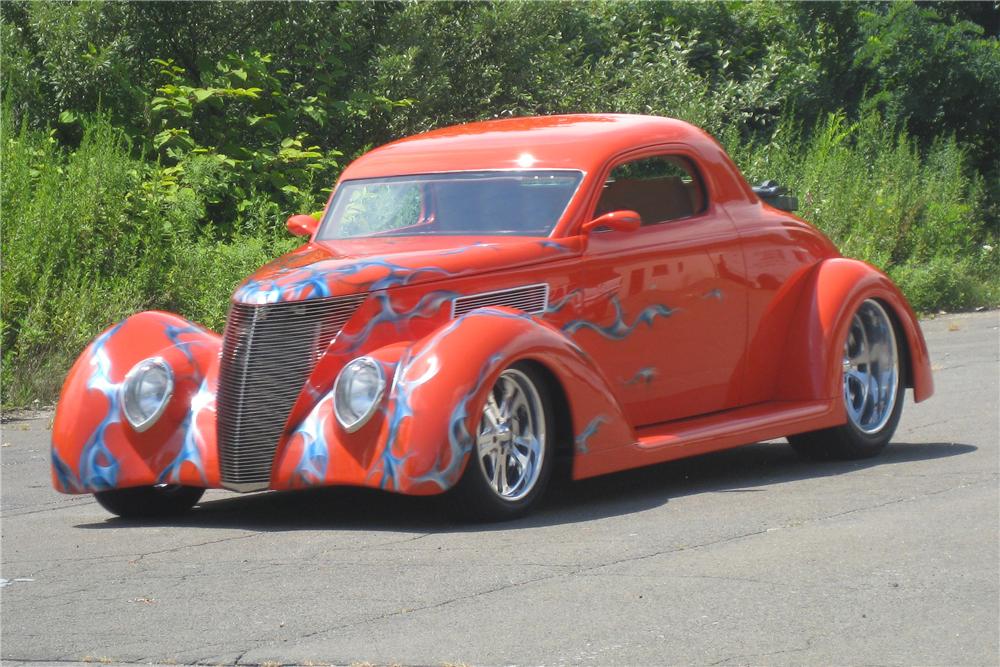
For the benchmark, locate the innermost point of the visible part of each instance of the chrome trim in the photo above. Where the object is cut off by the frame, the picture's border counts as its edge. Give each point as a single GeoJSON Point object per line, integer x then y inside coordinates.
{"type": "Point", "coordinates": [153, 418]}
{"type": "Point", "coordinates": [365, 418]}
{"type": "Point", "coordinates": [532, 299]}
{"type": "Point", "coordinates": [268, 353]}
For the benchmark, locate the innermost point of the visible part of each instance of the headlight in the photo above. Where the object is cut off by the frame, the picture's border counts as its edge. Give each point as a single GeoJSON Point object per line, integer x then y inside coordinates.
{"type": "Point", "coordinates": [146, 391]}
{"type": "Point", "coordinates": [357, 392]}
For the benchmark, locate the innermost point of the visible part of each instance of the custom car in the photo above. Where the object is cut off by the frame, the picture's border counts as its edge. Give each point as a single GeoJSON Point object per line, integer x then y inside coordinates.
{"type": "Point", "coordinates": [478, 300]}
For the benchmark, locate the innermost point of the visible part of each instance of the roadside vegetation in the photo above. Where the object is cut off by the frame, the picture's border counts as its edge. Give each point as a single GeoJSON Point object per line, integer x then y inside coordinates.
{"type": "Point", "coordinates": [151, 151]}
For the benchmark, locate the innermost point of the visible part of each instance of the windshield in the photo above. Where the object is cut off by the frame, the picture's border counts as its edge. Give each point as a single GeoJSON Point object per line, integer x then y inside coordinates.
{"type": "Point", "coordinates": [519, 203]}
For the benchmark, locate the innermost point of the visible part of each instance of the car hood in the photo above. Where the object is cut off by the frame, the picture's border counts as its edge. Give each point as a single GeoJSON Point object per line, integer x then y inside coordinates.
{"type": "Point", "coordinates": [324, 269]}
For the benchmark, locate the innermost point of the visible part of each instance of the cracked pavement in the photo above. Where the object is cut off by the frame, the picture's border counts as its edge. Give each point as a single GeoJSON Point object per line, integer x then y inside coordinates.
{"type": "Point", "coordinates": [750, 556]}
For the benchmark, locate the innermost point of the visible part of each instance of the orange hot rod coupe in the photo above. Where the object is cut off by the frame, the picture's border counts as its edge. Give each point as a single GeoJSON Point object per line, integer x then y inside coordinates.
{"type": "Point", "coordinates": [479, 299]}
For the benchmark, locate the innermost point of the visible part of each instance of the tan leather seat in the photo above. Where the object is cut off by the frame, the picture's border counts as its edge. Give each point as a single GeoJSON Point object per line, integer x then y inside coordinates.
{"type": "Point", "coordinates": [654, 199]}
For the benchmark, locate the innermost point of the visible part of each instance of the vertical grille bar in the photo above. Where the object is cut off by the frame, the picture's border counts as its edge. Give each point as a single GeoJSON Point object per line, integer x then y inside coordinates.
{"type": "Point", "coordinates": [268, 352]}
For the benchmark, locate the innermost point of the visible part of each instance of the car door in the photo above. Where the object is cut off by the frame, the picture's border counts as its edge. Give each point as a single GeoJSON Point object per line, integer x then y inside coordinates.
{"type": "Point", "coordinates": [664, 306]}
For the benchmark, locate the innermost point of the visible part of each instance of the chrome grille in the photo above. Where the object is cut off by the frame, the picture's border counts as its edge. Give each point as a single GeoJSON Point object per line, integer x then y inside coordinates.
{"type": "Point", "coordinates": [530, 299]}
{"type": "Point", "coordinates": [268, 352]}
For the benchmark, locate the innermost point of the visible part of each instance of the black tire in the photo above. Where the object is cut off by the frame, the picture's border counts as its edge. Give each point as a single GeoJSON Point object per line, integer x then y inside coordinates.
{"type": "Point", "coordinates": [853, 440]}
{"type": "Point", "coordinates": [475, 497]}
{"type": "Point", "coordinates": [143, 502]}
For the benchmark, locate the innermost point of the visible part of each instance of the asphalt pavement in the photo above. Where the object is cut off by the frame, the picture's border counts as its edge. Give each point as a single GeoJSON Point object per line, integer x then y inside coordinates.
{"type": "Point", "coordinates": [750, 556]}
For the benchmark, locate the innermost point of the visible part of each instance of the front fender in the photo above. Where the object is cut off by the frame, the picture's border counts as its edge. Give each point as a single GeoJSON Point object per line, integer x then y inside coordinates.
{"type": "Point", "coordinates": [94, 448]}
{"type": "Point", "coordinates": [814, 348]}
{"type": "Point", "coordinates": [420, 440]}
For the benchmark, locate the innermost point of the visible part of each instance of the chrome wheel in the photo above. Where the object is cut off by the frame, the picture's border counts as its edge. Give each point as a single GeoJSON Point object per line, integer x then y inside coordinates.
{"type": "Point", "coordinates": [510, 443]}
{"type": "Point", "coordinates": [871, 368]}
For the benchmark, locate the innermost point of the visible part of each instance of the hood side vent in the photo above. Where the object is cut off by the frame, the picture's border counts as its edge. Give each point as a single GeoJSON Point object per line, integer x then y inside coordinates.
{"type": "Point", "coordinates": [532, 299]}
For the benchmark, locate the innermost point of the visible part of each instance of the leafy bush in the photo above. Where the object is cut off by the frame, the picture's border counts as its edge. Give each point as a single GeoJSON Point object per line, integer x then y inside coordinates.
{"type": "Point", "coordinates": [91, 236]}
{"type": "Point", "coordinates": [918, 215]}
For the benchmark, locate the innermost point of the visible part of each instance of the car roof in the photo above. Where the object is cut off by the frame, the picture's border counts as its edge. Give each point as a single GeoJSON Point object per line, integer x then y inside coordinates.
{"type": "Point", "coordinates": [577, 141]}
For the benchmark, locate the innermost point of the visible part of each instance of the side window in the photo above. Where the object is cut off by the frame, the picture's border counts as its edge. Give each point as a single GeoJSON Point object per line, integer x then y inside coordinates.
{"type": "Point", "coordinates": [660, 188]}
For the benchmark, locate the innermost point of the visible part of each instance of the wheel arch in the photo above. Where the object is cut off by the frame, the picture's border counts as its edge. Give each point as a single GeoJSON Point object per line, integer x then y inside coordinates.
{"type": "Point", "coordinates": [821, 319]}
{"type": "Point", "coordinates": [443, 380]}
{"type": "Point", "coordinates": [561, 407]}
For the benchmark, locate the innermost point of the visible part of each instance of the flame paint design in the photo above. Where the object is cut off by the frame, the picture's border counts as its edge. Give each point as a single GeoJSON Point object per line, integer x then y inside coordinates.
{"type": "Point", "coordinates": [296, 283]}
{"type": "Point", "coordinates": [390, 464]}
{"type": "Point", "coordinates": [315, 281]}
{"type": "Point", "coordinates": [315, 457]}
{"type": "Point", "coordinates": [98, 466]}
{"type": "Point", "coordinates": [643, 375]}
{"type": "Point", "coordinates": [471, 246]}
{"type": "Point", "coordinates": [190, 451]}
{"type": "Point", "coordinates": [715, 293]}
{"type": "Point", "coordinates": [426, 307]}
{"type": "Point", "coordinates": [619, 330]}
{"type": "Point", "coordinates": [174, 333]}
{"type": "Point", "coordinates": [460, 441]}
{"type": "Point", "coordinates": [588, 433]}
{"type": "Point", "coordinates": [68, 481]}
{"type": "Point", "coordinates": [554, 245]}
{"type": "Point", "coordinates": [561, 303]}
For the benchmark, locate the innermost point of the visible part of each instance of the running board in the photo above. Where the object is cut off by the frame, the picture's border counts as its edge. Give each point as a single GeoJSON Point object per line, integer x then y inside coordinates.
{"type": "Point", "coordinates": [709, 433]}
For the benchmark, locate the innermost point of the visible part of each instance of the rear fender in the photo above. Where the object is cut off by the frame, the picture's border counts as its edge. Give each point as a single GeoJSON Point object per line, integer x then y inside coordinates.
{"type": "Point", "coordinates": [815, 344]}
{"type": "Point", "coordinates": [94, 448]}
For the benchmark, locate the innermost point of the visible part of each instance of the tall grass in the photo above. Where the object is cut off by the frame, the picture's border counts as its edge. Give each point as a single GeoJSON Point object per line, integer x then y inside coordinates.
{"type": "Point", "coordinates": [918, 216]}
{"type": "Point", "coordinates": [91, 235]}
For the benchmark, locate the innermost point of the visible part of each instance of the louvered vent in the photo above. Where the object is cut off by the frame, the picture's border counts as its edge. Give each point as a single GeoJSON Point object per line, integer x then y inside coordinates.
{"type": "Point", "coordinates": [268, 352]}
{"type": "Point", "coordinates": [530, 298]}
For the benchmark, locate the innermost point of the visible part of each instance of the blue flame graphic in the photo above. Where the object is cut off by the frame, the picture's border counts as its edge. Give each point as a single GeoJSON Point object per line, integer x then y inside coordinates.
{"type": "Point", "coordinates": [619, 330]}
{"type": "Point", "coordinates": [426, 307]}
{"type": "Point", "coordinates": [189, 451]}
{"type": "Point", "coordinates": [460, 441]}
{"type": "Point", "coordinates": [588, 433]}
{"type": "Point", "coordinates": [561, 303]}
{"type": "Point", "coordinates": [98, 467]}
{"type": "Point", "coordinates": [69, 482]}
{"type": "Point", "coordinates": [554, 245]}
{"type": "Point", "coordinates": [643, 375]}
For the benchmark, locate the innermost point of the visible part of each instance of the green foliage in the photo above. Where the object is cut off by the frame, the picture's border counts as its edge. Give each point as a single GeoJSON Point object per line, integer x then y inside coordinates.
{"type": "Point", "coordinates": [91, 236]}
{"type": "Point", "coordinates": [932, 73]}
{"type": "Point", "coordinates": [246, 120]}
{"type": "Point", "coordinates": [151, 150]}
{"type": "Point", "coordinates": [918, 215]}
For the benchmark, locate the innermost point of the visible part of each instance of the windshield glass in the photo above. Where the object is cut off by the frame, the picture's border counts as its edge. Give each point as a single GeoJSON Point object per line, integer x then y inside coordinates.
{"type": "Point", "coordinates": [518, 203]}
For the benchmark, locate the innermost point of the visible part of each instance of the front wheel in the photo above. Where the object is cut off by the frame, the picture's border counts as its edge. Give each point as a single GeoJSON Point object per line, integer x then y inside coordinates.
{"type": "Point", "coordinates": [142, 502]}
{"type": "Point", "coordinates": [511, 458]}
{"type": "Point", "coordinates": [873, 391]}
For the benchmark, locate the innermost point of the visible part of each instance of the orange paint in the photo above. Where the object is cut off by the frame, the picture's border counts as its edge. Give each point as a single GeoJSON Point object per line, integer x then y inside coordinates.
{"type": "Point", "coordinates": [668, 340]}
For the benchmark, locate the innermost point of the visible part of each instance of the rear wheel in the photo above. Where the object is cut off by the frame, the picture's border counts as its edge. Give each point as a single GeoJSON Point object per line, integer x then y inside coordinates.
{"type": "Point", "coordinates": [511, 459]}
{"type": "Point", "coordinates": [150, 501]}
{"type": "Point", "coordinates": [872, 393]}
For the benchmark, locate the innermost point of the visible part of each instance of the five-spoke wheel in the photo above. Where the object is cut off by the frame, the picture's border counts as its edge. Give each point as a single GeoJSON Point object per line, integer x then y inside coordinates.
{"type": "Point", "coordinates": [872, 391]}
{"type": "Point", "coordinates": [512, 457]}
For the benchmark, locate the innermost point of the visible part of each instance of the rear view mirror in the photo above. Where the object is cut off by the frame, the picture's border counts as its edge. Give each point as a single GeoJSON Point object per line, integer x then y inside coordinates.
{"type": "Point", "coordinates": [302, 225]}
{"type": "Point", "coordinates": [619, 221]}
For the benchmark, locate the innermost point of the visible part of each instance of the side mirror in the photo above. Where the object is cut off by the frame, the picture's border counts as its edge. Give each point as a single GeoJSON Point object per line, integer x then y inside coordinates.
{"type": "Point", "coordinates": [302, 225]}
{"type": "Point", "coordinates": [620, 221]}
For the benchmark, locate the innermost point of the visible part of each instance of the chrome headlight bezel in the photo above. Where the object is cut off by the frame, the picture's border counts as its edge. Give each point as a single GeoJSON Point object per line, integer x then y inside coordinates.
{"type": "Point", "coordinates": [348, 419]}
{"type": "Point", "coordinates": [136, 374]}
